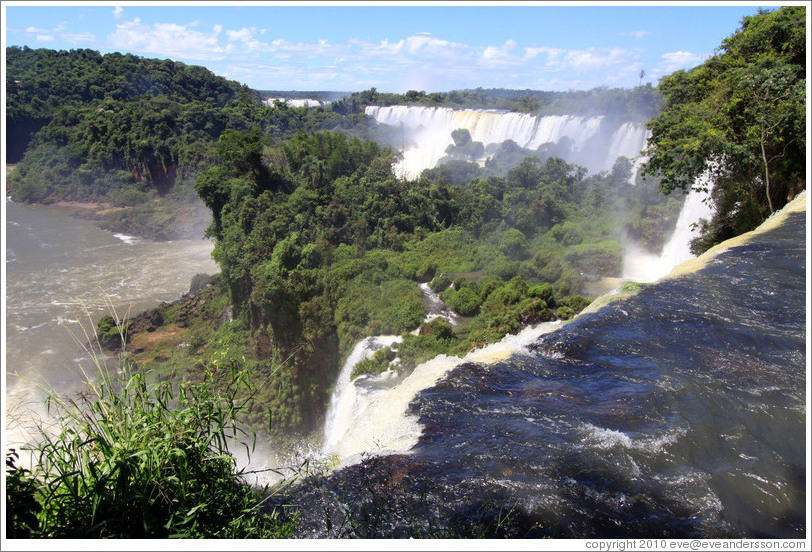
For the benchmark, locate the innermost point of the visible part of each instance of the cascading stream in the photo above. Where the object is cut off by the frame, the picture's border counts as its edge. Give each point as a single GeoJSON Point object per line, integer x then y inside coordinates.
{"type": "Point", "coordinates": [642, 266]}
{"type": "Point", "coordinates": [343, 401]}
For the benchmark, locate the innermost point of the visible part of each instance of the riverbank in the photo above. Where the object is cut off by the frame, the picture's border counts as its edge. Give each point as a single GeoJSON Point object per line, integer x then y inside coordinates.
{"type": "Point", "coordinates": [178, 215]}
{"type": "Point", "coordinates": [162, 219]}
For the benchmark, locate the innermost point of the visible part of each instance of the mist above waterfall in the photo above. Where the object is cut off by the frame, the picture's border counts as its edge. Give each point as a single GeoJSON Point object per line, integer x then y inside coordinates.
{"type": "Point", "coordinates": [643, 266]}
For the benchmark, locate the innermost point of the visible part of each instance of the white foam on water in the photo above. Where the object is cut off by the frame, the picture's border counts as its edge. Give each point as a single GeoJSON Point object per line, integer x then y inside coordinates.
{"type": "Point", "coordinates": [372, 417]}
{"type": "Point", "coordinates": [129, 240]}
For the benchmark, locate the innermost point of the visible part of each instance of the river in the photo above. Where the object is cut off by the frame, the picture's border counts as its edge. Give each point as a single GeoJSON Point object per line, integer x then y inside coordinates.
{"type": "Point", "coordinates": [57, 266]}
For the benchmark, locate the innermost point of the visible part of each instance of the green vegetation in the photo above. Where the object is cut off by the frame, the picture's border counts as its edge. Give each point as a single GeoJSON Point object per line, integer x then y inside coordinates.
{"type": "Point", "coordinates": [320, 245]}
{"type": "Point", "coordinates": [43, 84]}
{"type": "Point", "coordinates": [127, 131]}
{"type": "Point", "coordinates": [638, 104]}
{"type": "Point", "coordinates": [496, 308]}
{"type": "Point", "coordinates": [741, 116]}
{"type": "Point", "coordinates": [132, 460]}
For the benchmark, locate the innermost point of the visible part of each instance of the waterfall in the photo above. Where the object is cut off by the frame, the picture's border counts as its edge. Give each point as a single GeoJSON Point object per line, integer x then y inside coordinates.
{"type": "Point", "coordinates": [642, 266]}
{"type": "Point", "coordinates": [342, 401]}
{"type": "Point", "coordinates": [427, 134]}
{"type": "Point", "coordinates": [296, 102]}
{"type": "Point", "coordinates": [435, 308]}
{"type": "Point", "coordinates": [369, 415]}
{"type": "Point", "coordinates": [627, 141]}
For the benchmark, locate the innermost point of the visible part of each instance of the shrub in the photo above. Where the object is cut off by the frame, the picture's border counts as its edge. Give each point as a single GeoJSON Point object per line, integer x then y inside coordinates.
{"type": "Point", "coordinates": [440, 283]}
{"type": "Point", "coordinates": [403, 316]}
{"type": "Point", "coordinates": [376, 364]}
{"type": "Point", "coordinates": [123, 463]}
{"type": "Point", "coordinates": [438, 328]}
{"type": "Point", "coordinates": [514, 244]}
{"type": "Point", "coordinates": [544, 292]}
{"type": "Point", "coordinates": [22, 507]}
{"type": "Point", "coordinates": [564, 313]}
{"type": "Point", "coordinates": [503, 269]}
{"type": "Point", "coordinates": [604, 258]}
{"type": "Point", "coordinates": [199, 281]}
{"type": "Point", "coordinates": [110, 333]}
{"type": "Point", "coordinates": [464, 300]}
{"type": "Point", "coordinates": [575, 302]}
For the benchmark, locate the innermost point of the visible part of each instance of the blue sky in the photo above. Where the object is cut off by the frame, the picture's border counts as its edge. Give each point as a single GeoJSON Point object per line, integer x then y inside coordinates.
{"type": "Point", "coordinates": [435, 47]}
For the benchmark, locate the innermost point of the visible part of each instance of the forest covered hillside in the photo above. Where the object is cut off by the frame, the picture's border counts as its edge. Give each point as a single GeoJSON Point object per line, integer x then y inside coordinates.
{"type": "Point", "coordinates": [40, 83]}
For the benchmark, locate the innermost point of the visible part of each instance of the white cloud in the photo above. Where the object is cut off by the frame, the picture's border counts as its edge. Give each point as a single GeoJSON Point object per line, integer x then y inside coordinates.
{"type": "Point", "coordinates": [118, 12]}
{"type": "Point", "coordinates": [552, 55]}
{"type": "Point", "coordinates": [495, 54]}
{"type": "Point", "coordinates": [591, 63]}
{"type": "Point", "coordinates": [636, 34]}
{"type": "Point", "coordinates": [47, 35]}
{"type": "Point", "coordinates": [421, 61]}
{"type": "Point", "coordinates": [168, 39]}
{"type": "Point", "coordinates": [673, 61]}
{"type": "Point", "coordinates": [243, 35]}
{"type": "Point", "coordinates": [593, 59]}
{"type": "Point", "coordinates": [79, 37]}
{"type": "Point", "coordinates": [428, 62]}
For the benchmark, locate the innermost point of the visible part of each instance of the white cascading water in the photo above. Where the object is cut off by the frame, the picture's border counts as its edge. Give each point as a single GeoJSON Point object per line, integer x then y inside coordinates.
{"type": "Point", "coordinates": [436, 308]}
{"type": "Point", "coordinates": [427, 134]}
{"type": "Point", "coordinates": [642, 266]}
{"type": "Point", "coordinates": [371, 413]}
{"type": "Point", "coordinates": [296, 102]}
{"type": "Point", "coordinates": [627, 141]}
{"type": "Point", "coordinates": [340, 409]}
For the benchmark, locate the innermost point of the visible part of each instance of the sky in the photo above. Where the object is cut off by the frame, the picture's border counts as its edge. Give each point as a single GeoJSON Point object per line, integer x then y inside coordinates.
{"type": "Point", "coordinates": [395, 47]}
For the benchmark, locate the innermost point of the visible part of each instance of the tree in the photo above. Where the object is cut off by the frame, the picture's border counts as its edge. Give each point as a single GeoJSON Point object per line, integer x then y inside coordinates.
{"type": "Point", "coordinates": [739, 118]}
{"type": "Point", "coordinates": [772, 105]}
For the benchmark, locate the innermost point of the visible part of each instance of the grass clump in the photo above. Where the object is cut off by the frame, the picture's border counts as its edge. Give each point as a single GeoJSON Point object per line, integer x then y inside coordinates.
{"type": "Point", "coordinates": [132, 460]}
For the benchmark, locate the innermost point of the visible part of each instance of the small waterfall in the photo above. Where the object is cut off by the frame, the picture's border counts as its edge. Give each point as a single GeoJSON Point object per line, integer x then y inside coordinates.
{"type": "Point", "coordinates": [435, 308]}
{"type": "Point", "coordinates": [642, 266]}
{"type": "Point", "coordinates": [340, 410]}
{"type": "Point", "coordinates": [296, 102]}
{"type": "Point", "coordinates": [427, 134]}
{"type": "Point", "coordinates": [370, 414]}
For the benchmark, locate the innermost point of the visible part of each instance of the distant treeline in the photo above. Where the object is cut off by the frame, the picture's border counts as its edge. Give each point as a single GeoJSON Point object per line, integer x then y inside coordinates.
{"type": "Point", "coordinates": [121, 128]}
{"type": "Point", "coordinates": [637, 104]}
